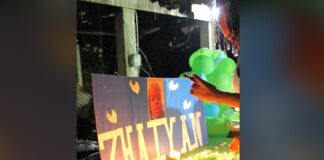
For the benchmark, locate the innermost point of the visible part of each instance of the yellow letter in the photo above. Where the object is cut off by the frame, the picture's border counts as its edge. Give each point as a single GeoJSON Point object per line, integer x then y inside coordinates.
{"type": "Point", "coordinates": [110, 135]}
{"type": "Point", "coordinates": [154, 124]}
{"type": "Point", "coordinates": [185, 136]}
{"type": "Point", "coordinates": [169, 129]}
{"type": "Point", "coordinates": [141, 142]}
{"type": "Point", "coordinates": [196, 128]}
{"type": "Point", "coordinates": [127, 150]}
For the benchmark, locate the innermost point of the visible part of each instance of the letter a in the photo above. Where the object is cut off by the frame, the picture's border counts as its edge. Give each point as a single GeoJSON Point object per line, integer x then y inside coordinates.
{"type": "Point", "coordinates": [141, 142]}
{"type": "Point", "coordinates": [185, 135]}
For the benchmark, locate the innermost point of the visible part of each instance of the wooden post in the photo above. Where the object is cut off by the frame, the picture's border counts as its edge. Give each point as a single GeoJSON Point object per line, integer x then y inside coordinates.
{"type": "Point", "coordinates": [207, 36]}
{"type": "Point", "coordinates": [125, 41]}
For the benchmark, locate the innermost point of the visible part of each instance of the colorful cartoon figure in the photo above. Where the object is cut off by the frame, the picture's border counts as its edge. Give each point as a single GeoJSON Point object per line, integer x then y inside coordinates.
{"type": "Point", "coordinates": [155, 99]}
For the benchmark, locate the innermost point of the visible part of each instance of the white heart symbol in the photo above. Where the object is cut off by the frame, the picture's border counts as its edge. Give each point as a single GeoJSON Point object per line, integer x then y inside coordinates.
{"type": "Point", "coordinates": [186, 104]}
{"type": "Point", "coordinates": [173, 86]}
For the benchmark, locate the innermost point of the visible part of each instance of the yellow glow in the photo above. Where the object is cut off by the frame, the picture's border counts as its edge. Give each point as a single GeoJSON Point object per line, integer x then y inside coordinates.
{"type": "Point", "coordinates": [174, 155]}
{"type": "Point", "coordinates": [236, 126]}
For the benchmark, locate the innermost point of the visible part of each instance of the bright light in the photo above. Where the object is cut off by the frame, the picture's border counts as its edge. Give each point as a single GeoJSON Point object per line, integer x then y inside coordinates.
{"type": "Point", "coordinates": [174, 155]}
{"type": "Point", "coordinates": [201, 12]}
{"type": "Point", "coordinates": [236, 126]}
{"type": "Point", "coordinates": [215, 12]}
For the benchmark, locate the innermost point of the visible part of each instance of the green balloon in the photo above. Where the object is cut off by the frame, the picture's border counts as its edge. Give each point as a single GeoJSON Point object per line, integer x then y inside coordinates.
{"type": "Point", "coordinates": [225, 65]}
{"type": "Point", "coordinates": [218, 54]}
{"type": "Point", "coordinates": [182, 74]}
{"type": "Point", "coordinates": [221, 80]}
{"type": "Point", "coordinates": [203, 64]}
{"type": "Point", "coordinates": [217, 127]}
{"type": "Point", "coordinates": [234, 117]}
{"type": "Point", "coordinates": [231, 88]}
{"type": "Point", "coordinates": [199, 52]}
{"type": "Point", "coordinates": [224, 109]}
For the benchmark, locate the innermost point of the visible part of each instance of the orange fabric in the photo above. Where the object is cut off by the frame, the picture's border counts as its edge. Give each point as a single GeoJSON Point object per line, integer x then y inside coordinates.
{"type": "Point", "coordinates": [223, 26]}
{"type": "Point", "coordinates": [225, 29]}
{"type": "Point", "coordinates": [234, 146]}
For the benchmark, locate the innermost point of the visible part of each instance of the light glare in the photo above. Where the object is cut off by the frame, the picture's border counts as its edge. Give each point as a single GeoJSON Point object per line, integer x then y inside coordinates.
{"type": "Point", "coordinates": [215, 12]}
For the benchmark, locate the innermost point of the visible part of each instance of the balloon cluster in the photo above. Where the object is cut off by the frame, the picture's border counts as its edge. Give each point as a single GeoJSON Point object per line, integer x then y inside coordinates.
{"type": "Point", "coordinates": [217, 69]}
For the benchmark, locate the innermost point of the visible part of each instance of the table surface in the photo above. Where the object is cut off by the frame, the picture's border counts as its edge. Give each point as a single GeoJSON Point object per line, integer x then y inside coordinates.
{"type": "Point", "coordinates": [214, 144]}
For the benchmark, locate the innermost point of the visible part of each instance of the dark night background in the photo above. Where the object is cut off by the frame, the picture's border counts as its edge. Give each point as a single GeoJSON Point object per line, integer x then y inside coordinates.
{"type": "Point", "coordinates": [166, 41]}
